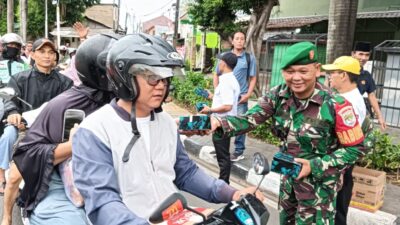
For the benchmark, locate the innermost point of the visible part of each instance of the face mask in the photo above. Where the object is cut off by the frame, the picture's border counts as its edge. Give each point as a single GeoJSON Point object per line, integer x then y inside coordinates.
{"type": "Point", "coordinates": [11, 53]}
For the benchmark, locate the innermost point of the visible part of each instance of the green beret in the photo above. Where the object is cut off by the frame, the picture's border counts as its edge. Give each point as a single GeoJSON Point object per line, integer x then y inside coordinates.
{"type": "Point", "coordinates": [302, 53]}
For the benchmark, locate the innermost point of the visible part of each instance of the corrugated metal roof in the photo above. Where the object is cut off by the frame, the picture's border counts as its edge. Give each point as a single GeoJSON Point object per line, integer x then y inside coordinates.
{"type": "Point", "coordinates": [101, 13]}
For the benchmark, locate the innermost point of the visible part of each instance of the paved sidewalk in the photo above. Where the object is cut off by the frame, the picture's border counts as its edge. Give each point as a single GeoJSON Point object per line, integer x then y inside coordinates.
{"type": "Point", "coordinates": [202, 148]}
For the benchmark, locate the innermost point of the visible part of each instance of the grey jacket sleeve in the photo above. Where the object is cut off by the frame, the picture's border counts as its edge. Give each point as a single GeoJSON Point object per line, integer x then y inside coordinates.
{"type": "Point", "coordinates": [190, 178]}
{"type": "Point", "coordinates": [95, 178]}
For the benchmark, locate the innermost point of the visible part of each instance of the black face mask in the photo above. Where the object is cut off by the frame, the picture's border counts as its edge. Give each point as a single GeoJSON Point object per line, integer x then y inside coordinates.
{"type": "Point", "coordinates": [10, 53]}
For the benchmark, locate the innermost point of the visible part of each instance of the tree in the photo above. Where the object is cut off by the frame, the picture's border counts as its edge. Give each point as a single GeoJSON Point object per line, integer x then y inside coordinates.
{"type": "Point", "coordinates": [35, 16]}
{"type": "Point", "coordinates": [341, 27]}
{"type": "Point", "coordinates": [24, 14]}
{"type": "Point", "coordinates": [220, 16]}
{"type": "Point", "coordinates": [10, 16]}
{"type": "Point", "coordinates": [3, 16]}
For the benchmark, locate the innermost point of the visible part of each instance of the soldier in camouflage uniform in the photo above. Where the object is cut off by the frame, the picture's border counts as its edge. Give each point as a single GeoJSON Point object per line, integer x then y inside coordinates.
{"type": "Point", "coordinates": [316, 127]}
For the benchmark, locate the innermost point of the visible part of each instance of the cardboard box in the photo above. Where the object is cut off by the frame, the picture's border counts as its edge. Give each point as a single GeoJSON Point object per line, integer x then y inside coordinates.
{"type": "Point", "coordinates": [367, 176]}
{"type": "Point", "coordinates": [366, 207]}
{"type": "Point", "coordinates": [368, 189]}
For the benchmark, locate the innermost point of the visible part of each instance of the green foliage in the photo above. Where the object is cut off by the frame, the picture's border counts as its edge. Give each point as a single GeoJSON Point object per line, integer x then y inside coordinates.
{"type": "Point", "coordinates": [36, 15]}
{"type": "Point", "coordinates": [220, 15]}
{"type": "Point", "coordinates": [184, 94]}
{"type": "Point", "coordinates": [184, 89]}
{"type": "Point", "coordinates": [384, 155]}
{"type": "Point", "coordinates": [264, 133]}
{"type": "Point", "coordinates": [216, 15]}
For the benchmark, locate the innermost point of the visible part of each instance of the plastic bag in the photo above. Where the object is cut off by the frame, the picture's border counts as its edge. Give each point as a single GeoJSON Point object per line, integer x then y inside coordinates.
{"type": "Point", "coordinates": [71, 191]}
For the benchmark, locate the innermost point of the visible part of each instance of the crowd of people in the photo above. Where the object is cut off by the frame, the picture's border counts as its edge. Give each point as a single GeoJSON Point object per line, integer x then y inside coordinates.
{"type": "Point", "coordinates": [120, 83]}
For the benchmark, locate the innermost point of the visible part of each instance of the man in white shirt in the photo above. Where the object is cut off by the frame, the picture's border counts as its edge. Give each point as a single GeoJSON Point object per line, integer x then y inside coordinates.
{"type": "Point", "coordinates": [343, 77]}
{"type": "Point", "coordinates": [225, 100]}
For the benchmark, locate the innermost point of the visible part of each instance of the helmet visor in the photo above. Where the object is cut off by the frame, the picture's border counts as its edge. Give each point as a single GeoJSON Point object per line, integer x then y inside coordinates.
{"type": "Point", "coordinates": [163, 72]}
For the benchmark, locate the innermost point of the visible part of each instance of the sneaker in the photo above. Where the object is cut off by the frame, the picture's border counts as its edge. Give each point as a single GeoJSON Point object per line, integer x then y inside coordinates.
{"type": "Point", "coordinates": [235, 158]}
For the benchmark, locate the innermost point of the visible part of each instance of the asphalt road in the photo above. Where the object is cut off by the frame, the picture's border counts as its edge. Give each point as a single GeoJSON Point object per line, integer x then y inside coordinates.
{"type": "Point", "coordinates": [238, 184]}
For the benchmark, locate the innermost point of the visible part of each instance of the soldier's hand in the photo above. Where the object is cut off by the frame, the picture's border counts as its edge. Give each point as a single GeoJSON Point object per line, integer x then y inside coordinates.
{"type": "Point", "coordinates": [215, 123]}
{"type": "Point", "coordinates": [14, 119]}
{"type": "Point", "coordinates": [306, 168]}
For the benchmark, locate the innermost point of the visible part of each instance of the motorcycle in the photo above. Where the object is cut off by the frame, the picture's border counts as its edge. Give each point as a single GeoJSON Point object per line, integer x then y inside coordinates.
{"type": "Point", "coordinates": [246, 211]}
{"type": "Point", "coordinates": [8, 93]}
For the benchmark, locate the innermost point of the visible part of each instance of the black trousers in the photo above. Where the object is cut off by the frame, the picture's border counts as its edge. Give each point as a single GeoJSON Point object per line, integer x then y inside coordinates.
{"type": "Point", "coordinates": [344, 197]}
{"type": "Point", "coordinates": [223, 157]}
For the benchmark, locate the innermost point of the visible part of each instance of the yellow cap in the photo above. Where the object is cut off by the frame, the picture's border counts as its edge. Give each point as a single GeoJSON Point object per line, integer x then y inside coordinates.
{"type": "Point", "coordinates": [344, 63]}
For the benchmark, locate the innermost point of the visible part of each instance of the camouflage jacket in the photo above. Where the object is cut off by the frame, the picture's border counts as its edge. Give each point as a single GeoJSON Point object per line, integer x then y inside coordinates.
{"type": "Point", "coordinates": [319, 129]}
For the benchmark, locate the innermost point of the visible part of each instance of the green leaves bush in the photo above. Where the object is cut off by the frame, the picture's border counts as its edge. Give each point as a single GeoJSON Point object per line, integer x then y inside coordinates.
{"type": "Point", "coordinates": [184, 89]}
{"type": "Point", "coordinates": [384, 155]}
{"type": "Point", "coordinates": [185, 96]}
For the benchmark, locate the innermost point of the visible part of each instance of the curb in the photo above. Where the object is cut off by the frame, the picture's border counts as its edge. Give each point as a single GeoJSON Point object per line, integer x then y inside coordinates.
{"type": "Point", "coordinates": [270, 186]}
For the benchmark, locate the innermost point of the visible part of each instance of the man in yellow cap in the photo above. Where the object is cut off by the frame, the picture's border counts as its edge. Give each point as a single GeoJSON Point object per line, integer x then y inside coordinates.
{"type": "Point", "coordinates": [343, 76]}
{"type": "Point", "coordinates": [318, 129]}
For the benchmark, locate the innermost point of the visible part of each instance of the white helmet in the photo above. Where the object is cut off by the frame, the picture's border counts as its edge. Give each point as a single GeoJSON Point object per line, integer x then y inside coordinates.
{"type": "Point", "coordinates": [11, 38]}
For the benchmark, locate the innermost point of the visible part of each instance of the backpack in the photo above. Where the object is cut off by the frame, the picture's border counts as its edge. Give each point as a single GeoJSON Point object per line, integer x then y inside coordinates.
{"type": "Point", "coordinates": [248, 64]}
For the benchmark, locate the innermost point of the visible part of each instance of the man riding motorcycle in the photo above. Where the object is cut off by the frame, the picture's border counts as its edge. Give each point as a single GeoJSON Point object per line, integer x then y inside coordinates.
{"type": "Point", "coordinates": [127, 156]}
{"type": "Point", "coordinates": [42, 149]}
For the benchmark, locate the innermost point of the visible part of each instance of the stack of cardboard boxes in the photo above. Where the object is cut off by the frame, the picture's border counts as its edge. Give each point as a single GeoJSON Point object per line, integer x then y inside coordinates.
{"type": "Point", "coordinates": [368, 189]}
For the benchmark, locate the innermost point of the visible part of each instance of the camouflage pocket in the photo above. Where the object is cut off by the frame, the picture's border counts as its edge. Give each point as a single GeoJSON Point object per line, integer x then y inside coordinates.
{"type": "Point", "coordinates": [304, 190]}
{"type": "Point", "coordinates": [313, 139]}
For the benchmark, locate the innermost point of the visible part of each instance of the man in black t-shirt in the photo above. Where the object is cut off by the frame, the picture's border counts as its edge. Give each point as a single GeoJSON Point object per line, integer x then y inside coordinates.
{"type": "Point", "coordinates": [366, 83]}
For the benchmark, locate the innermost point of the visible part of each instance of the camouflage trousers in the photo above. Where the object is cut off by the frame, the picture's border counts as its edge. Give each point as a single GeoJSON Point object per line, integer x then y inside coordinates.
{"type": "Point", "coordinates": [308, 201]}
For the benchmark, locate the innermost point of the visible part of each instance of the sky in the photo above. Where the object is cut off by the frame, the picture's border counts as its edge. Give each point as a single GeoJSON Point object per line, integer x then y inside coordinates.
{"type": "Point", "coordinates": [145, 9]}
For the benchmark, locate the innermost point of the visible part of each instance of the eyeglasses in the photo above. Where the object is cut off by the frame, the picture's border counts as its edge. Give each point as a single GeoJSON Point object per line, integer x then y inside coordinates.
{"type": "Point", "coordinates": [154, 80]}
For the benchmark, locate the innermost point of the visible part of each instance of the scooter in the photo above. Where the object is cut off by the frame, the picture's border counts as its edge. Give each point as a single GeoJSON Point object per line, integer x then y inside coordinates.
{"type": "Point", "coordinates": [247, 211]}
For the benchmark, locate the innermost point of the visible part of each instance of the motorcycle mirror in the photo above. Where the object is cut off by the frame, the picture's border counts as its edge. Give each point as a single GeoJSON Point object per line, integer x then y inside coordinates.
{"type": "Point", "coordinates": [7, 93]}
{"type": "Point", "coordinates": [260, 164]}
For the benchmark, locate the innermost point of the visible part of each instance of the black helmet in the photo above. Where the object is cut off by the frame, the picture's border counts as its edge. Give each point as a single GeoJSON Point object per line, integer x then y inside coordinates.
{"type": "Point", "coordinates": [138, 49]}
{"type": "Point", "coordinates": [90, 60]}
{"type": "Point", "coordinates": [139, 53]}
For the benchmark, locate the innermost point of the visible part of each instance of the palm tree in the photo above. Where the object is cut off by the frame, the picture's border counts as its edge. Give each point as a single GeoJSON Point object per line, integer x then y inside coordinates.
{"type": "Point", "coordinates": [24, 13]}
{"type": "Point", "coordinates": [341, 27]}
{"type": "Point", "coordinates": [10, 16]}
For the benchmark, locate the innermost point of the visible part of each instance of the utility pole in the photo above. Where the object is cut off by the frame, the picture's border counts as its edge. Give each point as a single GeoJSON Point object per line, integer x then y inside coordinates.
{"type": "Point", "coordinates": [176, 23]}
{"type": "Point", "coordinates": [58, 22]}
{"type": "Point", "coordinates": [119, 12]}
{"type": "Point", "coordinates": [46, 21]}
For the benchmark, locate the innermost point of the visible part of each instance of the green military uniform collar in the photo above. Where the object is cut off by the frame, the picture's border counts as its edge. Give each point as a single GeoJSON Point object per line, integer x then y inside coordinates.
{"type": "Point", "coordinates": [285, 92]}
